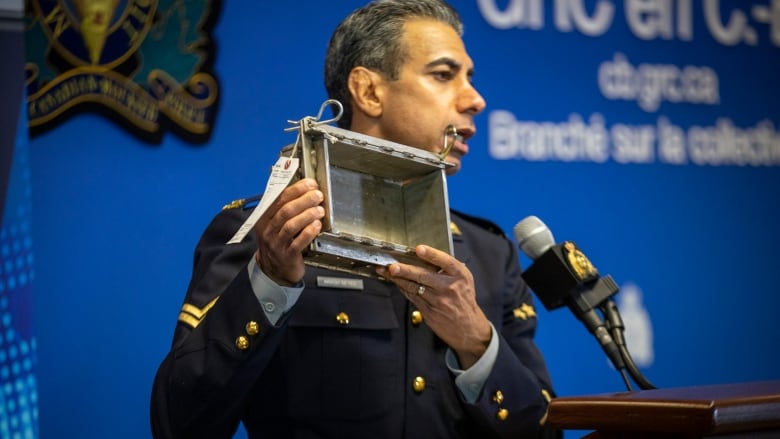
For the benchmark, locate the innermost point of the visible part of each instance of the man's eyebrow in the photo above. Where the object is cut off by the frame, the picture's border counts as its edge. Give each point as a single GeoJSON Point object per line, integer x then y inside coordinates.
{"type": "Point", "coordinates": [451, 63]}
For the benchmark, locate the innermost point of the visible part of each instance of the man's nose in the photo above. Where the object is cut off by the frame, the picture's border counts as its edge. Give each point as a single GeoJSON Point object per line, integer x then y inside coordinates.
{"type": "Point", "coordinates": [470, 101]}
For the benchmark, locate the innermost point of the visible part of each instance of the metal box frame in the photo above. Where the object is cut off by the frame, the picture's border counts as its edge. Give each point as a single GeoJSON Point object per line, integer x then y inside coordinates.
{"type": "Point", "coordinates": [381, 199]}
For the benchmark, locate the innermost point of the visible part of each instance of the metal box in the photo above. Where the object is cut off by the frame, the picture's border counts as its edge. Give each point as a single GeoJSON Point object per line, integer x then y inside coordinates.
{"type": "Point", "coordinates": [381, 199]}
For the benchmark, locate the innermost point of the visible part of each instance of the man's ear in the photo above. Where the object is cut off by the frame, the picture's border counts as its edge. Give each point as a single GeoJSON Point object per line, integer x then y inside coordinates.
{"type": "Point", "coordinates": [365, 86]}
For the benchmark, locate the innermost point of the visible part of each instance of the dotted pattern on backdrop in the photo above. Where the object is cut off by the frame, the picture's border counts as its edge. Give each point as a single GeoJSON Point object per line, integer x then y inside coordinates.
{"type": "Point", "coordinates": [18, 384]}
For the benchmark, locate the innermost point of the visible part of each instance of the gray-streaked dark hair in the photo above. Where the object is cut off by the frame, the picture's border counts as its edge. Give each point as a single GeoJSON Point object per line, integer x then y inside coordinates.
{"type": "Point", "coordinates": [371, 37]}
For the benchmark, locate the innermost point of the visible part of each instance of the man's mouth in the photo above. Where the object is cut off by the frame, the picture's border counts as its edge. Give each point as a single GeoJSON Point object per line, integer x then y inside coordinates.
{"type": "Point", "coordinates": [465, 133]}
{"type": "Point", "coordinates": [460, 146]}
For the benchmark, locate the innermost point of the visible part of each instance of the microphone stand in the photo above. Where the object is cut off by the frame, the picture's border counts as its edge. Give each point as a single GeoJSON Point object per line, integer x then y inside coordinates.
{"type": "Point", "coordinates": [610, 332]}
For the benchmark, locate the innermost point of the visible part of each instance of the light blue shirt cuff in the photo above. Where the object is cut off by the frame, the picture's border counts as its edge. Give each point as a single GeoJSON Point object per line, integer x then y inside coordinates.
{"type": "Point", "coordinates": [472, 380]}
{"type": "Point", "coordinates": [274, 298]}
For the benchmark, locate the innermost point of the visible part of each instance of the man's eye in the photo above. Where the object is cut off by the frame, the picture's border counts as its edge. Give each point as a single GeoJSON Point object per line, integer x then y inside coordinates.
{"type": "Point", "coordinates": [443, 75]}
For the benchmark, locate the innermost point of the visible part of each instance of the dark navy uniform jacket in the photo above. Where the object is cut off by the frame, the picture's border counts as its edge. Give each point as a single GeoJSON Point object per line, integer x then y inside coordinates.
{"type": "Point", "coordinates": [343, 363]}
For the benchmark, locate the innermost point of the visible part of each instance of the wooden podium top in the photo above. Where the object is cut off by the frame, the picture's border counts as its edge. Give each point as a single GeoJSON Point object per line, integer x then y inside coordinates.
{"type": "Point", "coordinates": [703, 410]}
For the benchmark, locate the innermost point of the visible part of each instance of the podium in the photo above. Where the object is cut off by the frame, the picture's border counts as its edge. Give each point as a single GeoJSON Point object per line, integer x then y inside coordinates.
{"type": "Point", "coordinates": [717, 411]}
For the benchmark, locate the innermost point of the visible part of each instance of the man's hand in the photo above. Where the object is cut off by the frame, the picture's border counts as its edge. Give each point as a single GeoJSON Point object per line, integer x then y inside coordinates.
{"type": "Point", "coordinates": [447, 300]}
{"type": "Point", "coordinates": [286, 229]}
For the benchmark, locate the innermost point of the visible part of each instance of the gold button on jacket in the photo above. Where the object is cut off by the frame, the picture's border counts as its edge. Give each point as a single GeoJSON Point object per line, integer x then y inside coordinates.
{"type": "Point", "coordinates": [418, 384]}
{"type": "Point", "coordinates": [252, 328]}
{"type": "Point", "coordinates": [342, 318]}
{"type": "Point", "coordinates": [242, 343]}
{"type": "Point", "coordinates": [417, 317]}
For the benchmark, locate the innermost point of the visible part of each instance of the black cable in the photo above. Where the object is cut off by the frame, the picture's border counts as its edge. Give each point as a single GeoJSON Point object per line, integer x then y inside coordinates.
{"type": "Point", "coordinates": [626, 380]}
{"type": "Point", "coordinates": [616, 327]}
{"type": "Point", "coordinates": [636, 374]}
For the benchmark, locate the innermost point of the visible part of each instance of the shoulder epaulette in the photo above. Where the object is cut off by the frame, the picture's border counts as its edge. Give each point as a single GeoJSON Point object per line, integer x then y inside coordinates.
{"type": "Point", "coordinates": [486, 224]}
{"type": "Point", "coordinates": [242, 203]}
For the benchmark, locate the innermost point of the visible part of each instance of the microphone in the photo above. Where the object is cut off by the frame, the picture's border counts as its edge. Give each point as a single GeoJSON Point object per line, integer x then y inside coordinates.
{"type": "Point", "coordinates": [561, 275]}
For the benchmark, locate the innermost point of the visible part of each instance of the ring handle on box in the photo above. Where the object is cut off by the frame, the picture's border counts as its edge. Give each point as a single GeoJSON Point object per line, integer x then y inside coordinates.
{"type": "Point", "coordinates": [308, 121]}
{"type": "Point", "coordinates": [450, 134]}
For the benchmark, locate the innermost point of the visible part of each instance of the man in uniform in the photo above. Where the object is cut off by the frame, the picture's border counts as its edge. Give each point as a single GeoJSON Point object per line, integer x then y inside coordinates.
{"type": "Point", "coordinates": [432, 353]}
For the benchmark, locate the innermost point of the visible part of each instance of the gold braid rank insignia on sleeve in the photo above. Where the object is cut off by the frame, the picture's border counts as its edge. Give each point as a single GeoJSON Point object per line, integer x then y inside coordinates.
{"type": "Point", "coordinates": [234, 204]}
{"type": "Point", "coordinates": [524, 312]}
{"type": "Point", "coordinates": [192, 315]}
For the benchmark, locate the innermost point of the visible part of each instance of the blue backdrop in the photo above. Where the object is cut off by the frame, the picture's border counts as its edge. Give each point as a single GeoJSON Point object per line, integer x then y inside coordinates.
{"type": "Point", "coordinates": [646, 131]}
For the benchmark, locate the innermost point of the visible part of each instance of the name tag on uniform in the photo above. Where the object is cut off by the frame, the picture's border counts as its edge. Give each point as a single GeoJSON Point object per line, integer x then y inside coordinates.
{"type": "Point", "coordinates": [339, 282]}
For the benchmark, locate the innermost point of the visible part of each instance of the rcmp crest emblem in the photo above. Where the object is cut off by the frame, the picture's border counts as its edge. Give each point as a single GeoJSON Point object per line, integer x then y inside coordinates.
{"type": "Point", "coordinates": [146, 61]}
